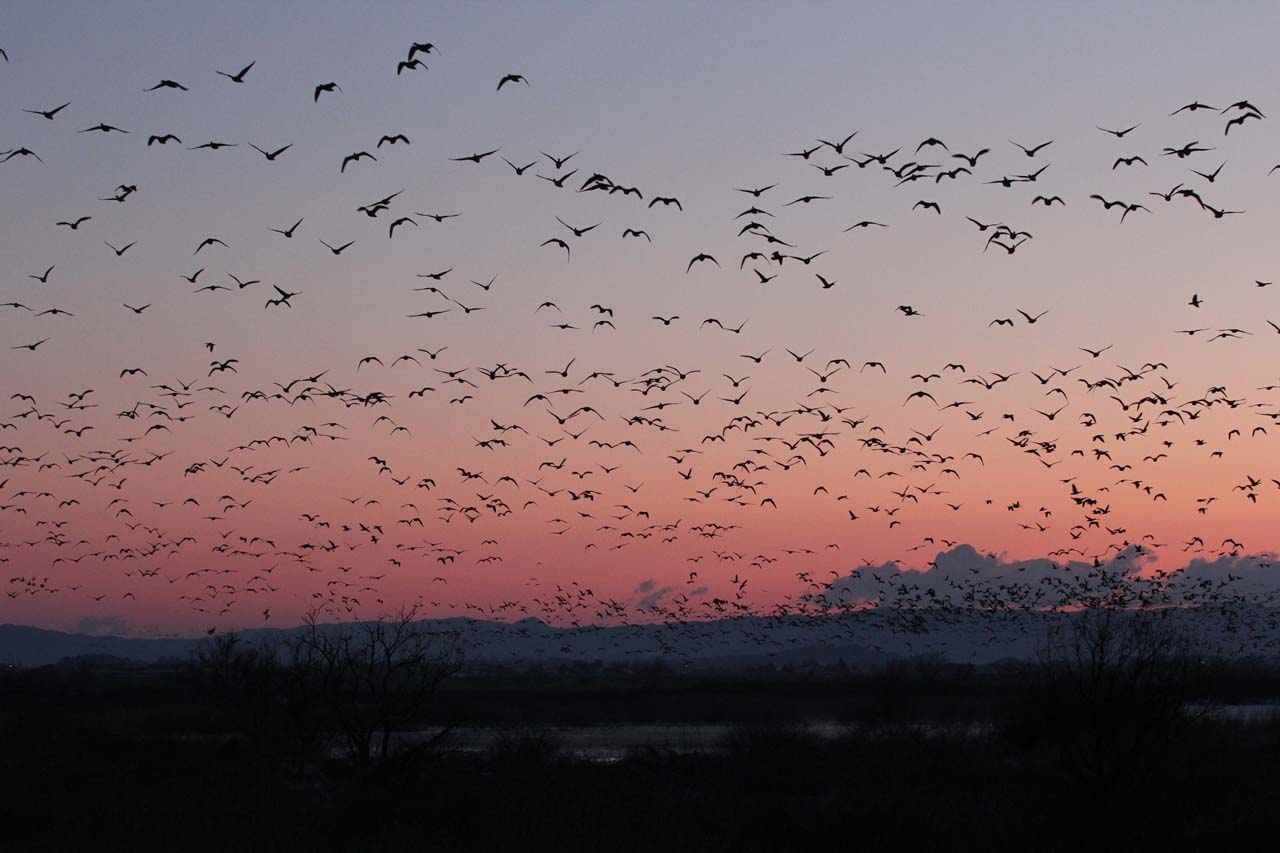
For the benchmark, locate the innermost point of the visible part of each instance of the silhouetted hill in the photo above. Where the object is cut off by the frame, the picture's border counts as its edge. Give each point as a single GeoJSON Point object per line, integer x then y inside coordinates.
{"type": "Point", "coordinates": [728, 644]}
{"type": "Point", "coordinates": [26, 646]}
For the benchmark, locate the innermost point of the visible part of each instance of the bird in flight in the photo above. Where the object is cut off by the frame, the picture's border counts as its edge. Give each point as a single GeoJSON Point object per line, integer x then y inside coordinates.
{"type": "Point", "coordinates": [325, 87]}
{"type": "Point", "coordinates": [238, 77]}
{"type": "Point", "coordinates": [699, 258]}
{"type": "Point", "coordinates": [270, 155]}
{"type": "Point", "coordinates": [49, 114]}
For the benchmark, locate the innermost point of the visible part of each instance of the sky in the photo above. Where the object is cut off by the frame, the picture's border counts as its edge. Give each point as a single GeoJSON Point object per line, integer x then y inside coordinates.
{"type": "Point", "coordinates": [686, 101]}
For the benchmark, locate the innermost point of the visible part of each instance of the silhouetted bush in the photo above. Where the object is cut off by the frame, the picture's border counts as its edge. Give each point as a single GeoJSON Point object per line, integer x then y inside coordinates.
{"type": "Point", "coordinates": [526, 749]}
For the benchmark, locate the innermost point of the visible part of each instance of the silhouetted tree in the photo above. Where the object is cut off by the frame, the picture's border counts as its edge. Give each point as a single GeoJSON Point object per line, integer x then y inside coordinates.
{"type": "Point", "coordinates": [373, 677]}
{"type": "Point", "coordinates": [1115, 688]}
{"type": "Point", "coordinates": [265, 692]}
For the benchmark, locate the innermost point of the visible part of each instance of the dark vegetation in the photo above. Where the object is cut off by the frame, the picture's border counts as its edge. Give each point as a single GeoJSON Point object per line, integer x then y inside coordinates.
{"type": "Point", "coordinates": [1110, 740]}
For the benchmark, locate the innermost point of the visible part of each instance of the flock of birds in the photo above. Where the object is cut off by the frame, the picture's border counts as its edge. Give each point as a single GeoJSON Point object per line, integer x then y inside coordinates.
{"type": "Point", "coordinates": [104, 500]}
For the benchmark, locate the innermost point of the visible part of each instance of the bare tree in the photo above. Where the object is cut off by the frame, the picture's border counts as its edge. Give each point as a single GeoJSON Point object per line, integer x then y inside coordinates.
{"type": "Point", "coordinates": [373, 677]}
{"type": "Point", "coordinates": [268, 698]}
{"type": "Point", "coordinates": [1116, 685]}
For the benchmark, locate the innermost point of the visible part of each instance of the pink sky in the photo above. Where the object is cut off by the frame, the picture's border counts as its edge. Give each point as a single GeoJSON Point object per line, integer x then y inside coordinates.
{"type": "Point", "coordinates": [691, 112]}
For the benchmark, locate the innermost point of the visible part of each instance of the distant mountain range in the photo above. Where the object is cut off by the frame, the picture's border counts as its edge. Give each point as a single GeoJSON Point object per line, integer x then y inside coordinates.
{"type": "Point", "coordinates": [861, 639]}
{"type": "Point", "coordinates": [730, 643]}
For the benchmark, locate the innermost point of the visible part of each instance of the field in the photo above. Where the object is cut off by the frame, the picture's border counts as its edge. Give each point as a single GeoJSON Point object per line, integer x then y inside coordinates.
{"type": "Point", "coordinates": [116, 756]}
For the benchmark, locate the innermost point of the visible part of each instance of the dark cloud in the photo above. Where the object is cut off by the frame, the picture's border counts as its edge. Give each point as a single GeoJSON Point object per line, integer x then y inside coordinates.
{"type": "Point", "coordinates": [654, 597]}
{"type": "Point", "coordinates": [965, 568]}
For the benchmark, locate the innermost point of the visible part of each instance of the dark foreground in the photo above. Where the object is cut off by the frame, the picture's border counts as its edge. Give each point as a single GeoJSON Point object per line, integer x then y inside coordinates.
{"type": "Point", "coordinates": [107, 757]}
